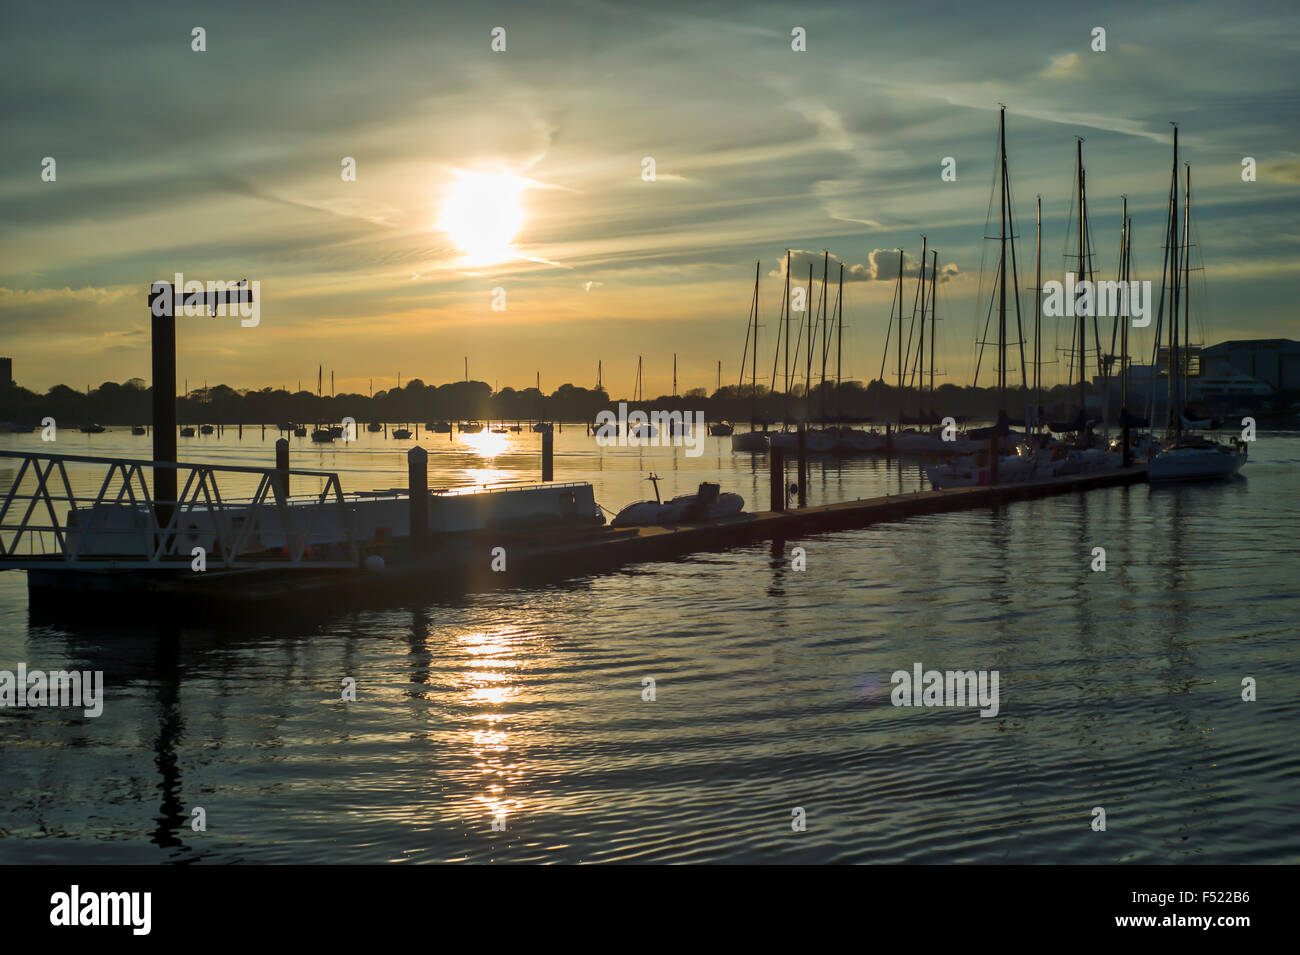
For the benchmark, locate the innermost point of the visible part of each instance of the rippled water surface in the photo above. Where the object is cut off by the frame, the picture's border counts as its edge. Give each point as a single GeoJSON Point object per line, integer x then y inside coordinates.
{"type": "Point", "coordinates": [1119, 689]}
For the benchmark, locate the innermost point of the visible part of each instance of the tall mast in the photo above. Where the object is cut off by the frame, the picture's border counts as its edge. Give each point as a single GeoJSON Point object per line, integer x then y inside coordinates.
{"type": "Point", "coordinates": [674, 374]}
{"type": "Point", "coordinates": [934, 301]}
{"type": "Point", "coordinates": [787, 333]}
{"type": "Point", "coordinates": [821, 318]}
{"type": "Point", "coordinates": [839, 339]}
{"type": "Point", "coordinates": [1186, 295]}
{"type": "Point", "coordinates": [1175, 400]}
{"type": "Point", "coordinates": [807, 391]}
{"type": "Point", "coordinates": [1125, 240]}
{"type": "Point", "coordinates": [1083, 251]}
{"type": "Point", "coordinates": [900, 336]}
{"type": "Point", "coordinates": [1038, 319]}
{"type": "Point", "coordinates": [753, 388]}
{"type": "Point", "coordinates": [920, 354]}
{"type": "Point", "coordinates": [1002, 272]}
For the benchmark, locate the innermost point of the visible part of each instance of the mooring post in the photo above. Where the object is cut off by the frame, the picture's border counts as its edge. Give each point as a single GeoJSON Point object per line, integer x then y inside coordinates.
{"type": "Point", "coordinates": [801, 437]}
{"type": "Point", "coordinates": [889, 442]}
{"type": "Point", "coordinates": [776, 465]}
{"type": "Point", "coordinates": [163, 328]}
{"type": "Point", "coordinates": [548, 455]}
{"type": "Point", "coordinates": [417, 482]}
{"type": "Point", "coordinates": [263, 432]}
{"type": "Point", "coordinates": [282, 464]}
{"type": "Point", "coordinates": [993, 459]}
{"type": "Point", "coordinates": [1123, 436]}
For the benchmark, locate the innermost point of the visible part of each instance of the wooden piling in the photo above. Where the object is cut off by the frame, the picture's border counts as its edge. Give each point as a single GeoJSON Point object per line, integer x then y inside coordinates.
{"type": "Point", "coordinates": [802, 440]}
{"type": "Point", "coordinates": [889, 442]}
{"type": "Point", "coordinates": [282, 463]}
{"type": "Point", "coordinates": [993, 459]}
{"type": "Point", "coordinates": [163, 336]}
{"type": "Point", "coordinates": [548, 455]}
{"type": "Point", "coordinates": [776, 468]}
{"type": "Point", "coordinates": [417, 482]}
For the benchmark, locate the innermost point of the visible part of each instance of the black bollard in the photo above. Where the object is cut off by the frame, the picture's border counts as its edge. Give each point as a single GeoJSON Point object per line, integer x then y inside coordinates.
{"type": "Point", "coordinates": [548, 455]}
{"type": "Point", "coordinates": [802, 438]}
{"type": "Point", "coordinates": [282, 463]}
{"type": "Point", "coordinates": [417, 482]}
{"type": "Point", "coordinates": [163, 333]}
{"type": "Point", "coordinates": [776, 466]}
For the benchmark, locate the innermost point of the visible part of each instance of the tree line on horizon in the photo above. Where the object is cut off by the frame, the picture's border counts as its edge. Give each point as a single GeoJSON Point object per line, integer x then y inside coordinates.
{"type": "Point", "coordinates": [129, 402]}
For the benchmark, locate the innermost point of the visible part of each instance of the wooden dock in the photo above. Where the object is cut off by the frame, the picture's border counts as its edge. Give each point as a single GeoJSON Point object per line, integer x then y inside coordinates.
{"type": "Point", "coordinates": [461, 563]}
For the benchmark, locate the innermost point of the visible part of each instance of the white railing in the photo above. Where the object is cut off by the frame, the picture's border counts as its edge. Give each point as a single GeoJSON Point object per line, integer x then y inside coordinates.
{"type": "Point", "coordinates": [45, 524]}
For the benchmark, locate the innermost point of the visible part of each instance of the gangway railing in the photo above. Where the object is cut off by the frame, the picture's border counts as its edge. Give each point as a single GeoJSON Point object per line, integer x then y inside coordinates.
{"type": "Point", "coordinates": [45, 524]}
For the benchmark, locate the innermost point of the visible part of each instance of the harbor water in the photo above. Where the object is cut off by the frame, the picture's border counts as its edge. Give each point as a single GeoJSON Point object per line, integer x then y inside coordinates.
{"type": "Point", "coordinates": [696, 710]}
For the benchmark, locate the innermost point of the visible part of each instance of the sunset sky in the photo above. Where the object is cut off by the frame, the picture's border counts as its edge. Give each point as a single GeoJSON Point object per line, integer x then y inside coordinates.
{"type": "Point", "coordinates": [225, 164]}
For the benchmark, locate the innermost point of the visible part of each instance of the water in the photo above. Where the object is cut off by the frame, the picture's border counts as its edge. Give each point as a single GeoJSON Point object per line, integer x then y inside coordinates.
{"type": "Point", "coordinates": [1119, 689]}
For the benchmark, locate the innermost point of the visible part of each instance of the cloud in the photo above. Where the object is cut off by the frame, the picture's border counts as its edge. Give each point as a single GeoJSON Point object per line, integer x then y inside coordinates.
{"type": "Point", "coordinates": [588, 286]}
{"type": "Point", "coordinates": [1063, 66]}
{"type": "Point", "coordinates": [881, 266]}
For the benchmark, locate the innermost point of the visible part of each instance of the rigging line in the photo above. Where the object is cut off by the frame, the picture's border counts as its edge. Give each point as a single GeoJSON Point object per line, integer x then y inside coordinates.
{"type": "Point", "coordinates": [1015, 286]}
{"type": "Point", "coordinates": [884, 355]}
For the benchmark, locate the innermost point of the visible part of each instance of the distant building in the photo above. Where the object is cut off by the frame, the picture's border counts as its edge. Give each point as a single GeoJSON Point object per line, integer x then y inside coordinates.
{"type": "Point", "coordinates": [6, 372]}
{"type": "Point", "coordinates": [1275, 361]}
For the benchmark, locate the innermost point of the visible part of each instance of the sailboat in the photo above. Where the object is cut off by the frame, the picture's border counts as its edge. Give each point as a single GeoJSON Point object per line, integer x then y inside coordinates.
{"type": "Point", "coordinates": [751, 441]}
{"type": "Point", "coordinates": [996, 465]}
{"type": "Point", "coordinates": [1184, 457]}
{"type": "Point", "coordinates": [914, 440]}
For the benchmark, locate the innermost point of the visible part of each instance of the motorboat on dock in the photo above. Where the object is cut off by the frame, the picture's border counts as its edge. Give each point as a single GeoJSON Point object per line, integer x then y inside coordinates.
{"type": "Point", "coordinates": [709, 502]}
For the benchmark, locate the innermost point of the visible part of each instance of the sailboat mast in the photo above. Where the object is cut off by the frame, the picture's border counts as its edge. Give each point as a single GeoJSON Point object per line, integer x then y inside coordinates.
{"type": "Point", "coordinates": [934, 301]}
{"type": "Point", "coordinates": [1124, 318]}
{"type": "Point", "coordinates": [1083, 242]}
{"type": "Point", "coordinates": [900, 336]}
{"type": "Point", "coordinates": [839, 338]}
{"type": "Point", "coordinates": [920, 354]}
{"type": "Point", "coordinates": [1038, 319]}
{"type": "Point", "coordinates": [808, 311]}
{"type": "Point", "coordinates": [787, 331]}
{"type": "Point", "coordinates": [826, 263]}
{"type": "Point", "coordinates": [753, 388]}
{"type": "Point", "coordinates": [1002, 272]}
{"type": "Point", "coordinates": [674, 374]}
{"type": "Point", "coordinates": [1175, 394]}
{"type": "Point", "coordinates": [1186, 294]}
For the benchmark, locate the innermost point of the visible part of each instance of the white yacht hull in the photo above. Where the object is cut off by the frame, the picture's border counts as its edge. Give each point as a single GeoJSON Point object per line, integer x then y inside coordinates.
{"type": "Point", "coordinates": [1195, 464]}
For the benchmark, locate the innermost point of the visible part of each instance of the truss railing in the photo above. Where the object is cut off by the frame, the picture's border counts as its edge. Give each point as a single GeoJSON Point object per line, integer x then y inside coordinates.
{"type": "Point", "coordinates": [45, 524]}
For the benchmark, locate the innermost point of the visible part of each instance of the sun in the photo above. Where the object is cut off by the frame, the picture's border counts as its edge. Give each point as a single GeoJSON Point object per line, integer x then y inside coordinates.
{"type": "Point", "coordinates": [482, 214]}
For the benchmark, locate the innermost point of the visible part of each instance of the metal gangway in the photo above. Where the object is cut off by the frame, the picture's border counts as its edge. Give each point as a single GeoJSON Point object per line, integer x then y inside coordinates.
{"type": "Point", "coordinates": [45, 524]}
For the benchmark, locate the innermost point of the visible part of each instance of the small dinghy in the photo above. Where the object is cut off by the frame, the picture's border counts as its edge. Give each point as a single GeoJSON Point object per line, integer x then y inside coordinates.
{"type": "Point", "coordinates": [708, 503]}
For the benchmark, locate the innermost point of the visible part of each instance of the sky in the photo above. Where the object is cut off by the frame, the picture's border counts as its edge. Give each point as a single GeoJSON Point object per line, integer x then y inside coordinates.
{"type": "Point", "coordinates": [226, 164]}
